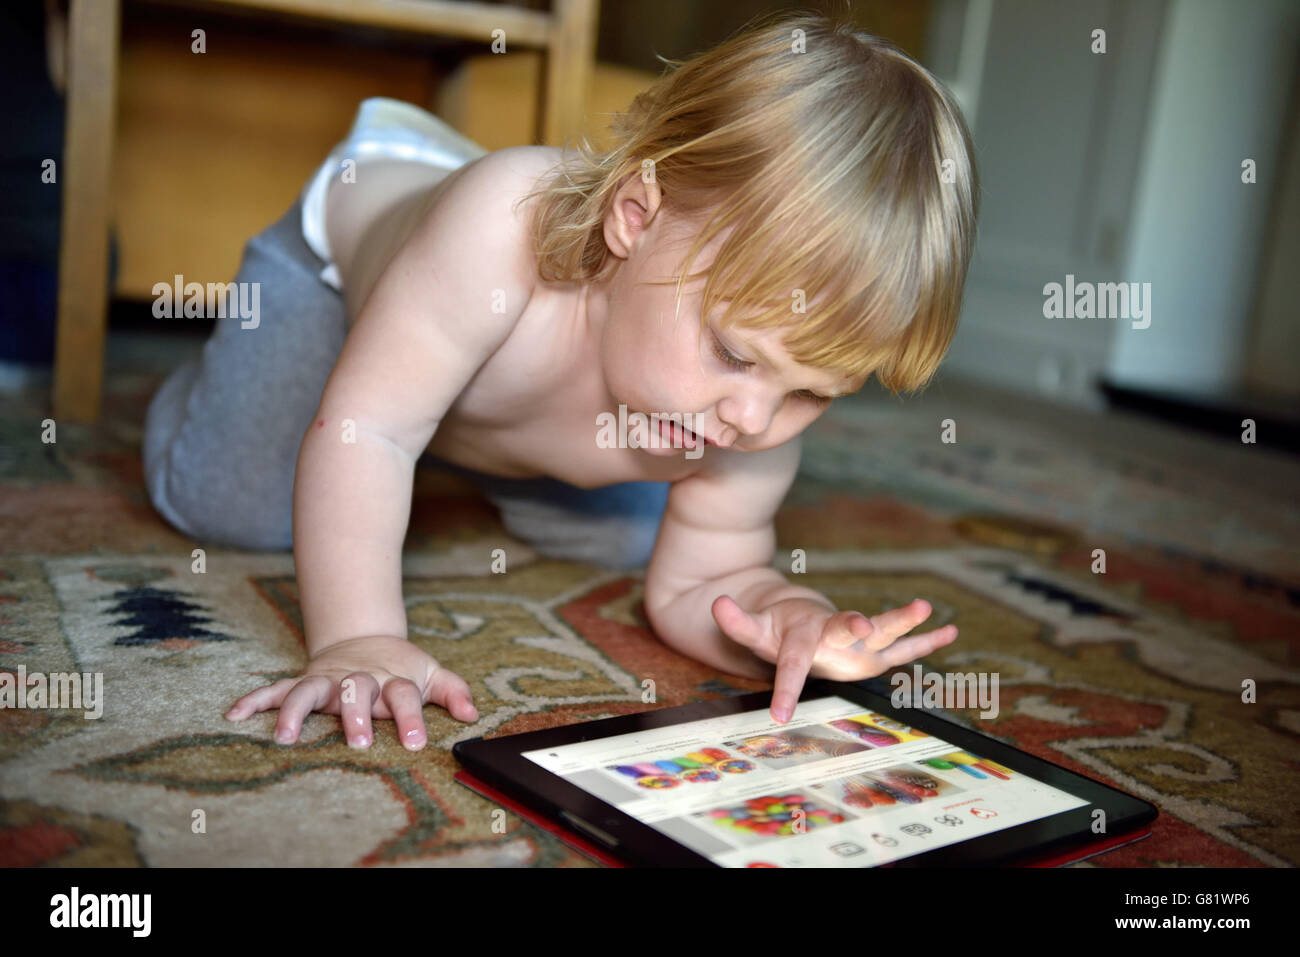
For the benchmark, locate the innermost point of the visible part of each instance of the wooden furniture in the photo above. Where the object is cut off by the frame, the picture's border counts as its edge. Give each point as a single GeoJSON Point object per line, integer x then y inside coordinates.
{"type": "Point", "coordinates": [566, 36]}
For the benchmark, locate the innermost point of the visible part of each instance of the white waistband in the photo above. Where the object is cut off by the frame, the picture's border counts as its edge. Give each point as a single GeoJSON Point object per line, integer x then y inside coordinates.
{"type": "Point", "coordinates": [383, 128]}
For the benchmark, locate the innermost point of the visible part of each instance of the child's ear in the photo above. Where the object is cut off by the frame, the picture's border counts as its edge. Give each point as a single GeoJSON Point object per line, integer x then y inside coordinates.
{"type": "Point", "coordinates": [635, 206]}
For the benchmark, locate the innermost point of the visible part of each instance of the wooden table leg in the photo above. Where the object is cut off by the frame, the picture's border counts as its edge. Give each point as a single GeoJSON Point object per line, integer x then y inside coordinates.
{"type": "Point", "coordinates": [570, 61]}
{"type": "Point", "coordinates": [93, 34]}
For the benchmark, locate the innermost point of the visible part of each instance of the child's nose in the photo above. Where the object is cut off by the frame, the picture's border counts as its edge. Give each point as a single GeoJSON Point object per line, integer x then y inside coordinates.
{"type": "Point", "coordinates": [749, 413]}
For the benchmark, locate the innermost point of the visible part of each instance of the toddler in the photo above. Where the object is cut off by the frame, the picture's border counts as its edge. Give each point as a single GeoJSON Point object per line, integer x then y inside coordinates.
{"type": "Point", "coordinates": [425, 300]}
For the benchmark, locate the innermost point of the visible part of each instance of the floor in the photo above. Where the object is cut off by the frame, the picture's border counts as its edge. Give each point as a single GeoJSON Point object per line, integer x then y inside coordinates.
{"type": "Point", "coordinates": [1135, 587]}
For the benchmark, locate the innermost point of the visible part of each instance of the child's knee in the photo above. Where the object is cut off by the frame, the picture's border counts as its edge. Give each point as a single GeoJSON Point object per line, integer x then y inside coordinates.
{"type": "Point", "coordinates": [209, 506]}
{"type": "Point", "coordinates": [202, 492]}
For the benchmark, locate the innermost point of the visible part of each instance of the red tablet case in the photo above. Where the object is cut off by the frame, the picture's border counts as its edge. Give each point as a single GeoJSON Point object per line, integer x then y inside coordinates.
{"type": "Point", "coordinates": [602, 856]}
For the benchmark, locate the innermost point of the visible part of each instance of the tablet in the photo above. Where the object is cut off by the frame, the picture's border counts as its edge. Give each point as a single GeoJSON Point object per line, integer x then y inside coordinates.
{"type": "Point", "coordinates": [849, 781]}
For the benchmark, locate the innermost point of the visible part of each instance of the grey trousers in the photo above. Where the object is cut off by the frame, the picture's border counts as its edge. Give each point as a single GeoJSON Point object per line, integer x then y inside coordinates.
{"type": "Point", "coordinates": [222, 433]}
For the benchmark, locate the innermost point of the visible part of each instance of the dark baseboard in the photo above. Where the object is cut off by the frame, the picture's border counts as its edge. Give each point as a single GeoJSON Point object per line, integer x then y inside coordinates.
{"type": "Point", "coordinates": [1277, 422]}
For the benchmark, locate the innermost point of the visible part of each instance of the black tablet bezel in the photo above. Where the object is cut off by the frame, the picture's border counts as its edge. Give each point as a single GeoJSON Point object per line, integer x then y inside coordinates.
{"type": "Point", "coordinates": [499, 763]}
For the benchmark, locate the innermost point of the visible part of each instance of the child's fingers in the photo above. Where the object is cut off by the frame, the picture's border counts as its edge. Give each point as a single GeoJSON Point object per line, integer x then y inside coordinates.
{"type": "Point", "coordinates": [792, 667]}
{"type": "Point", "coordinates": [881, 631]}
{"type": "Point", "coordinates": [449, 689]}
{"type": "Point", "coordinates": [407, 708]}
{"type": "Point", "coordinates": [262, 699]}
{"type": "Point", "coordinates": [846, 628]}
{"type": "Point", "coordinates": [917, 646]}
{"type": "Point", "coordinates": [739, 625]}
{"type": "Point", "coordinates": [310, 694]}
{"type": "Point", "coordinates": [897, 622]}
{"type": "Point", "coordinates": [357, 695]}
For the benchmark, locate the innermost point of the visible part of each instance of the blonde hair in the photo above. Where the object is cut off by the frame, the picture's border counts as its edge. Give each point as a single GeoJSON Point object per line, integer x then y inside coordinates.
{"type": "Point", "coordinates": [845, 167]}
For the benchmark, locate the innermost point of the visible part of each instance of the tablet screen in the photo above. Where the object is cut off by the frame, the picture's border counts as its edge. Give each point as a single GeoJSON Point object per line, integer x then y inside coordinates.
{"type": "Point", "coordinates": [838, 786]}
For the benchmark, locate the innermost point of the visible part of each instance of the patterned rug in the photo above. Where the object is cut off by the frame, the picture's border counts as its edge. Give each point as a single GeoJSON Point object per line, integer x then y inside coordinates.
{"type": "Point", "coordinates": [1133, 676]}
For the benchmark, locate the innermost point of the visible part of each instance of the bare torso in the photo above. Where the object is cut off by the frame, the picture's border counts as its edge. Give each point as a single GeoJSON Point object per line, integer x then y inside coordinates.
{"type": "Point", "coordinates": [532, 408]}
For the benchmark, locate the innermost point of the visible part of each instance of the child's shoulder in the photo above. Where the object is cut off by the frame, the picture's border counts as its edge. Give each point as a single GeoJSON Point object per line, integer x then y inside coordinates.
{"type": "Point", "coordinates": [498, 182]}
{"type": "Point", "coordinates": [519, 169]}
{"type": "Point", "coordinates": [525, 158]}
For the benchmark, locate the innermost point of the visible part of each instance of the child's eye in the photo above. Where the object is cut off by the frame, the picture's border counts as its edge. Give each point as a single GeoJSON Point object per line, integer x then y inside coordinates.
{"type": "Point", "coordinates": [721, 352]}
{"type": "Point", "coordinates": [736, 362]}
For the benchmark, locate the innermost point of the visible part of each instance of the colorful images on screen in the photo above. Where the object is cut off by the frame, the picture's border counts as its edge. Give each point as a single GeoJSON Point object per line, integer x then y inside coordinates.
{"type": "Point", "coordinates": [876, 730]}
{"type": "Point", "coordinates": [697, 767]}
{"type": "Point", "coordinates": [979, 768]}
{"type": "Point", "coordinates": [890, 787]}
{"type": "Point", "coordinates": [774, 815]}
{"type": "Point", "coordinates": [788, 748]}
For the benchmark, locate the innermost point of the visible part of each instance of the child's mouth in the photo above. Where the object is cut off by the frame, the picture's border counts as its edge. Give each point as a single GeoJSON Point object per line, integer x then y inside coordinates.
{"type": "Point", "coordinates": [677, 436]}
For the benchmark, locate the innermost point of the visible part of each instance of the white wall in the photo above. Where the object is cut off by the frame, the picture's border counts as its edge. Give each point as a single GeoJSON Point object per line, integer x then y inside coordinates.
{"type": "Point", "coordinates": [1273, 360]}
{"type": "Point", "coordinates": [1121, 167]}
{"type": "Point", "coordinates": [1220, 96]}
{"type": "Point", "coordinates": [1057, 134]}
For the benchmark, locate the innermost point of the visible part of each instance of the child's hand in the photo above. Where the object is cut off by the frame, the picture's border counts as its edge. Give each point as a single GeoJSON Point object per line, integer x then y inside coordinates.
{"type": "Point", "coordinates": [391, 678]}
{"type": "Point", "coordinates": [798, 634]}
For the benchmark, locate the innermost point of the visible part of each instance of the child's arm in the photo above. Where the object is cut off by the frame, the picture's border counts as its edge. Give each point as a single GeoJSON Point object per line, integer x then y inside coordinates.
{"type": "Point", "coordinates": [717, 539]}
{"type": "Point", "coordinates": [426, 329]}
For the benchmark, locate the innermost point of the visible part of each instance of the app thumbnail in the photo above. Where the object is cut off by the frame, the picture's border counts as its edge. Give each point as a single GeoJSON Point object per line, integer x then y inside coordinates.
{"type": "Point", "coordinates": [696, 767]}
{"type": "Point", "coordinates": [773, 815]}
{"type": "Point", "coordinates": [876, 730]}
{"type": "Point", "coordinates": [789, 748]}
